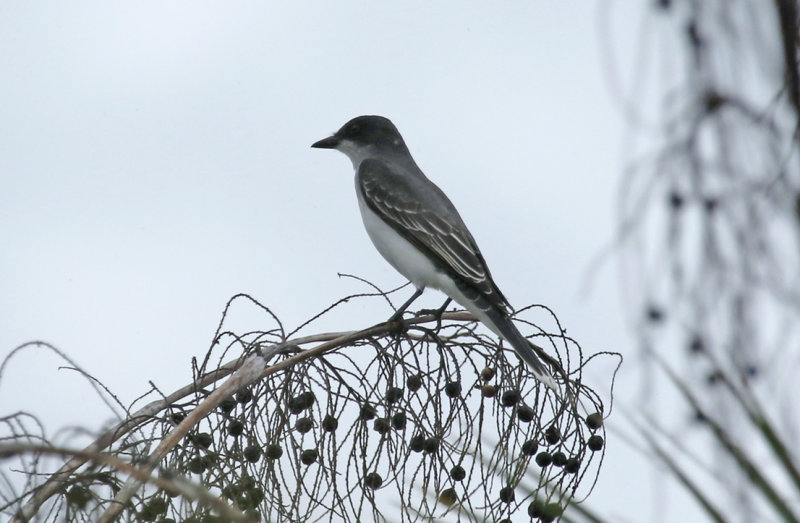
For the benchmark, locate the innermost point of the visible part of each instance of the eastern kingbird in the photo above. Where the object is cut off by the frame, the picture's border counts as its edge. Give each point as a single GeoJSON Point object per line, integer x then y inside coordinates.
{"type": "Point", "coordinates": [418, 230]}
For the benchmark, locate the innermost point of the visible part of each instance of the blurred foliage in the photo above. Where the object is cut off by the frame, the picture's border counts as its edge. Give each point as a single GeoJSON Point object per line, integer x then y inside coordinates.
{"type": "Point", "coordinates": [708, 241]}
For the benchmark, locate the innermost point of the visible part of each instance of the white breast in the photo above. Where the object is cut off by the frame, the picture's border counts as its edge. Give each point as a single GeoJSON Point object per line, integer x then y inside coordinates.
{"type": "Point", "coordinates": [401, 254]}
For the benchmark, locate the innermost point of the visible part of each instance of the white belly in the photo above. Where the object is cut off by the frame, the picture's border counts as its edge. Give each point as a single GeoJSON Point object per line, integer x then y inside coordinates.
{"type": "Point", "coordinates": [401, 254]}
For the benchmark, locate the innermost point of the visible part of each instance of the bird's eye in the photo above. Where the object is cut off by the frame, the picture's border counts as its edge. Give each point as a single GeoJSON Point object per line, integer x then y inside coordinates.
{"type": "Point", "coordinates": [354, 129]}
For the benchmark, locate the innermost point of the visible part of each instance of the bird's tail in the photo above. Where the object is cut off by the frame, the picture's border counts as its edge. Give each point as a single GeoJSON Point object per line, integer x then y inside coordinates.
{"type": "Point", "coordinates": [505, 327]}
{"type": "Point", "coordinates": [497, 319]}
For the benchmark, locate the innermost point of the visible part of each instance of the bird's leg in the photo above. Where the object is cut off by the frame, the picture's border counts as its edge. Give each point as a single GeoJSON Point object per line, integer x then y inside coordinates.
{"type": "Point", "coordinates": [399, 313]}
{"type": "Point", "coordinates": [437, 313]}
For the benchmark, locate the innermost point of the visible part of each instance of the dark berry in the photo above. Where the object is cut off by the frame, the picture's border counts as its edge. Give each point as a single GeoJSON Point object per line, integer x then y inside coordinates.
{"type": "Point", "coordinates": [303, 425]}
{"type": "Point", "coordinates": [573, 465]}
{"type": "Point", "coordinates": [696, 344]}
{"type": "Point", "coordinates": [675, 200]}
{"type": "Point", "coordinates": [329, 423]}
{"type": "Point", "coordinates": [416, 443]}
{"type": "Point", "coordinates": [235, 428]}
{"type": "Point", "coordinates": [530, 447]}
{"type": "Point", "coordinates": [457, 473]}
{"type": "Point", "coordinates": [399, 421]}
{"type": "Point", "coordinates": [157, 505]}
{"type": "Point", "coordinates": [202, 440]}
{"type": "Point", "coordinates": [448, 496]}
{"type": "Point", "coordinates": [394, 394]}
{"type": "Point", "coordinates": [507, 494]}
{"type": "Point", "coordinates": [525, 414]}
{"type": "Point", "coordinates": [196, 465]}
{"type": "Point", "coordinates": [414, 382]}
{"type": "Point", "coordinates": [252, 453]}
{"type": "Point", "coordinates": [510, 398]}
{"type": "Point", "coordinates": [594, 421]}
{"type": "Point", "coordinates": [244, 396]}
{"type": "Point", "coordinates": [453, 389]}
{"type": "Point", "coordinates": [595, 442]}
{"type": "Point", "coordinates": [306, 399]}
{"type": "Point", "coordinates": [79, 496]}
{"type": "Point", "coordinates": [295, 405]}
{"type": "Point", "coordinates": [211, 458]}
{"type": "Point", "coordinates": [255, 496]}
{"type": "Point", "coordinates": [146, 514]}
{"type": "Point", "coordinates": [559, 459]}
{"type": "Point", "coordinates": [373, 480]}
{"type": "Point", "coordinates": [489, 391]}
{"type": "Point", "coordinates": [654, 313]}
{"type": "Point", "coordinates": [309, 456]}
{"type": "Point", "coordinates": [177, 417]}
{"type": "Point", "coordinates": [382, 425]}
{"type": "Point", "coordinates": [274, 451]}
{"type": "Point", "coordinates": [431, 445]}
{"type": "Point", "coordinates": [227, 405]}
{"type": "Point", "coordinates": [247, 482]}
{"type": "Point", "coordinates": [368, 412]}
{"type": "Point", "coordinates": [488, 373]}
{"type": "Point", "coordinates": [544, 459]}
{"type": "Point", "coordinates": [552, 435]}
{"type": "Point", "coordinates": [535, 508]}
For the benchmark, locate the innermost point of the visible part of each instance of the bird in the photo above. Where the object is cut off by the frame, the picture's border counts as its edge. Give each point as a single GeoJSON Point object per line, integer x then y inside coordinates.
{"type": "Point", "coordinates": [417, 229]}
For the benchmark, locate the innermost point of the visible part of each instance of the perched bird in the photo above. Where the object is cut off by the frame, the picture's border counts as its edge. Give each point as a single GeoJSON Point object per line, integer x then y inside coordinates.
{"type": "Point", "coordinates": [415, 226]}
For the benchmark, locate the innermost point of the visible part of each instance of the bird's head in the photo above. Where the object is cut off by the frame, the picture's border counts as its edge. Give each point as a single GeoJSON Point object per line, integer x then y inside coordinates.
{"type": "Point", "coordinates": [365, 137]}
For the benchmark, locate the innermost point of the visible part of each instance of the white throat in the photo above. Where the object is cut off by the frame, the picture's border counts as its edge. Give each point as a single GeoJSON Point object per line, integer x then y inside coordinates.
{"type": "Point", "coordinates": [356, 153]}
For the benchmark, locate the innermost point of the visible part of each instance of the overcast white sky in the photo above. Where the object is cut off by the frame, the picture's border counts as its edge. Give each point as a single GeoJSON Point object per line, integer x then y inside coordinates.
{"type": "Point", "coordinates": [155, 160]}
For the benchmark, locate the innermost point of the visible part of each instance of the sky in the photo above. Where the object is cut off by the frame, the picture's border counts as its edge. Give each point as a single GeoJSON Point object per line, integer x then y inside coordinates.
{"type": "Point", "coordinates": [155, 161]}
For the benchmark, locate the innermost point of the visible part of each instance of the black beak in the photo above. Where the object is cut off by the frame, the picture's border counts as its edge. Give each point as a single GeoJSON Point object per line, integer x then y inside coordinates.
{"type": "Point", "coordinates": [331, 142]}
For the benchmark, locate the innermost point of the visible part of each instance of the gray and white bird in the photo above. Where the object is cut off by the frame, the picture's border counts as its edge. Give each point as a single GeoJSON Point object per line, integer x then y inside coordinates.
{"type": "Point", "coordinates": [416, 227]}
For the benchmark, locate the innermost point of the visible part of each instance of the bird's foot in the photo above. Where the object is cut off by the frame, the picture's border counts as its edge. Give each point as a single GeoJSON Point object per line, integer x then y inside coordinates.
{"type": "Point", "coordinates": [398, 314]}
{"type": "Point", "coordinates": [396, 317]}
{"type": "Point", "coordinates": [437, 313]}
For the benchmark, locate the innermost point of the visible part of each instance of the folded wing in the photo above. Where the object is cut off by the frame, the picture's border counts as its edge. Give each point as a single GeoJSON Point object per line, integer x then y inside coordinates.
{"type": "Point", "coordinates": [418, 210]}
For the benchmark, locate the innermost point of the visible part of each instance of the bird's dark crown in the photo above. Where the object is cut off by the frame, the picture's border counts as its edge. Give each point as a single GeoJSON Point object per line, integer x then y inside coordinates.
{"type": "Point", "coordinates": [371, 130]}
